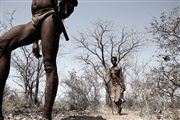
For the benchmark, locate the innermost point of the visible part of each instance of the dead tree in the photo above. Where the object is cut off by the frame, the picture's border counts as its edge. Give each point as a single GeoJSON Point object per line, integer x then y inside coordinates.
{"type": "Point", "coordinates": [101, 41]}
{"type": "Point", "coordinates": [29, 71]}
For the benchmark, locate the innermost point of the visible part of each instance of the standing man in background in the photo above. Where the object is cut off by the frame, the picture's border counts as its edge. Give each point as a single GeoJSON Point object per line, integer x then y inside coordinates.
{"type": "Point", "coordinates": [117, 86]}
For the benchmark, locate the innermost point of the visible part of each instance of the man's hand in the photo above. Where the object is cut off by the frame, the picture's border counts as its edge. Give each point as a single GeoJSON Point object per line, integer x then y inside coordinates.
{"type": "Point", "coordinates": [35, 50]}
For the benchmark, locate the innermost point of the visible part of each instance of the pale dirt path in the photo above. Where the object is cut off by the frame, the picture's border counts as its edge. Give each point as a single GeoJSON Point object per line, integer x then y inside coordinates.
{"type": "Point", "coordinates": [126, 115]}
{"type": "Point", "coordinates": [103, 114]}
{"type": "Point", "coordinates": [106, 113]}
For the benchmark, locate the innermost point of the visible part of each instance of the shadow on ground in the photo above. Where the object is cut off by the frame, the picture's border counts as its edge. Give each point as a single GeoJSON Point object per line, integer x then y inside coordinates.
{"type": "Point", "coordinates": [84, 118]}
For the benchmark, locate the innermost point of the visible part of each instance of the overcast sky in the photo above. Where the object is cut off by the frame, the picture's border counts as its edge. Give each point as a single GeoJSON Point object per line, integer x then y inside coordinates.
{"type": "Point", "coordinates": [126, 12]}
{"type": "Point", "coordinates": [136, 13]}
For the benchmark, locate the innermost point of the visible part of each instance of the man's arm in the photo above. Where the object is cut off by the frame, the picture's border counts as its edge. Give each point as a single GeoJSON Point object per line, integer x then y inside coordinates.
{"type": "Point", "coordinates": [108, 77]}
{"type": "Point", "coordinates": [122, 79]}
{"type": "Point", "coordinates": [36, 50]}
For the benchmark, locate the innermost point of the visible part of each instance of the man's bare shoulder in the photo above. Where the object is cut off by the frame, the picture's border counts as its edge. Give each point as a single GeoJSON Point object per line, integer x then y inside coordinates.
{"type": "Point", "coordinates": [116, 68]}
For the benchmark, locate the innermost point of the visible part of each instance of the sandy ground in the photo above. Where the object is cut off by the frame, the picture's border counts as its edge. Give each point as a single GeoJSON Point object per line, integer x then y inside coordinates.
{"type": "Point", "coordinates": [73, 115]}
{"type": "Point", "coordinates": [126, 115]}
{"type": "Point", "coordinates": [102, 115]}
{"type": "Point", "coordinates": [106, 113]}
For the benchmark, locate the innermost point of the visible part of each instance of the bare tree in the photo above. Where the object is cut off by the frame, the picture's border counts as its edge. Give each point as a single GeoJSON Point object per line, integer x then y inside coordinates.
{"type": "Point", "coordinates": [165, 86]}
{"type": "Point", "coordinates": [30, 71]}
{"type": "Point", "coordinates": [82, 92]}
{"type": "Point", "coordinates": [101, 41]}
{"type": "Point", "coordinates": [6, 91]}
{"type": "Point", "coordinates": [8, 22]}
{"type": "Point", "coordinates": [152, 92]}
{"type": "Point", "coordinates": [166, 77]}
{"type": "Point", "coordinates": [166, 31]}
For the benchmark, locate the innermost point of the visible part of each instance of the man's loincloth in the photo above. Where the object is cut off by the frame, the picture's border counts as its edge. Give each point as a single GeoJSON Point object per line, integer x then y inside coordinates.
{"type": "Point", "coordinates": [116, 92]}
{"type": "Point", "coordinates": [39, 16]}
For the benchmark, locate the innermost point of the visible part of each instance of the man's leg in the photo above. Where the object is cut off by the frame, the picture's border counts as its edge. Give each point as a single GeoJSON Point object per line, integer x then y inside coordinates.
{"type": "Point", "coordinates": [118, 104]}
{"type": "Point", "coordinates": [50, 44]}
{"type": "Point", "coordinates": [119, 98]}
{"type": "Point", "coordinates": [4, 71]}
{"type": "Point", "coordinates": [112, 98]}
{"type": "Point", "coordinates": [120, 92]}
{"type": "Point", "coordinates": [17, 36]}
{"type": "Point", "coordinates": [113, 92]}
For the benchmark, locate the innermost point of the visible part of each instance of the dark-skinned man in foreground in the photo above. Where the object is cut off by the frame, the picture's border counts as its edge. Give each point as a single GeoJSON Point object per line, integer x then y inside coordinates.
{"type": "Point", "coordinates": [45, 26]}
